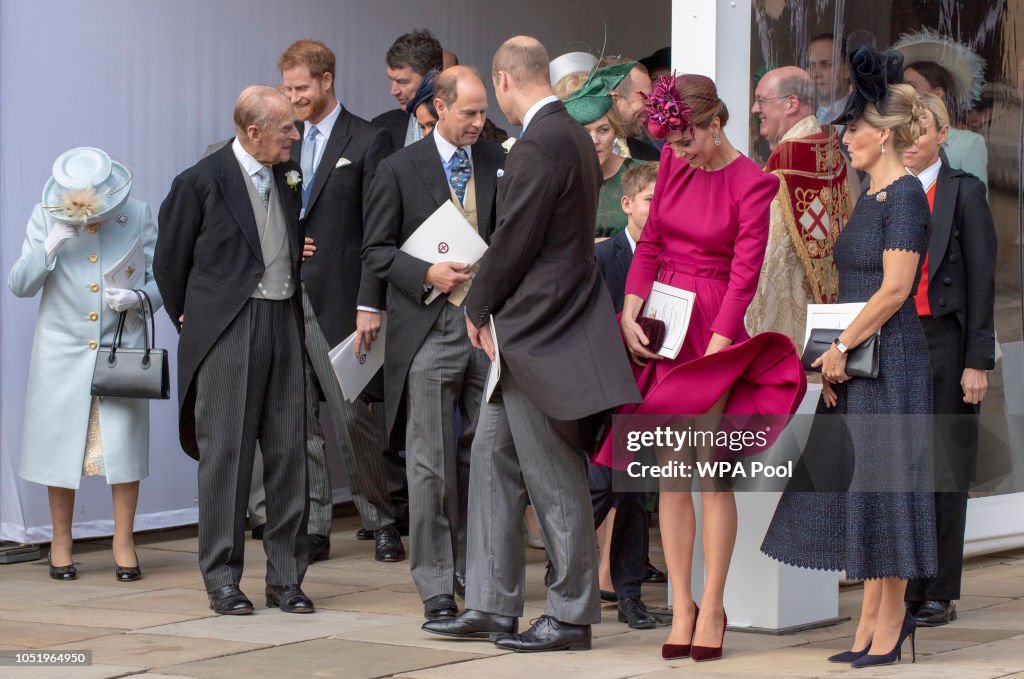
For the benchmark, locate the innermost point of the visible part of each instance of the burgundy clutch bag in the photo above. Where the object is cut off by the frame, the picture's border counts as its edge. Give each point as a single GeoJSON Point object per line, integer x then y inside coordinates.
{"type": "Point", "coordinates": [655, 331]}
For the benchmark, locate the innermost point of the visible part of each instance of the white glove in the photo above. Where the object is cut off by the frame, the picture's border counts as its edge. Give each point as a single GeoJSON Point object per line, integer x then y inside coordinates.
{"type": "Point", "coordinates": [120, 299]}
{"type": "Point", "coordinates": [60, 232]}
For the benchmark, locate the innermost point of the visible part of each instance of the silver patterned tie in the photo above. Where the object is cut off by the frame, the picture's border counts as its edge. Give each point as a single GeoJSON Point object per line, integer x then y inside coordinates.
{"type": "Point", "coordinates": [264, 186]}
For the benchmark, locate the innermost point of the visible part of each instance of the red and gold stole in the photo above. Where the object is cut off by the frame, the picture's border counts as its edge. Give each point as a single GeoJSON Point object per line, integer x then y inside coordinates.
{"type": "Point", "coordinates": [815, 197]}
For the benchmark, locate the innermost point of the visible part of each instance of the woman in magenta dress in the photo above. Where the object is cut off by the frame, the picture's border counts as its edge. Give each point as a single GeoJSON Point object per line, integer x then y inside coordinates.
{"type": "Point", "coordinates": [707, 232]}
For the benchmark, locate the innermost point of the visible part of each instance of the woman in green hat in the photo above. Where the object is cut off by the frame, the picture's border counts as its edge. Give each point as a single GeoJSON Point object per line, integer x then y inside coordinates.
{"type": "Point", "coordinates": [590, 104]}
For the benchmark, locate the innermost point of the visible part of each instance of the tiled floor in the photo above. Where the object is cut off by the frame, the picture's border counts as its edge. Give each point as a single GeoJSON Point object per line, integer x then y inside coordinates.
{"type": "Point", "coordinates": [368, 625]}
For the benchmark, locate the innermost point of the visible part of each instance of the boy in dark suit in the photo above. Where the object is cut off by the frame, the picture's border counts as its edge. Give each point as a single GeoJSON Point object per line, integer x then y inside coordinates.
{"type": "Point", "coordinates": [629, 537]}
{"type": "Point", "coordinates": [615, 254]}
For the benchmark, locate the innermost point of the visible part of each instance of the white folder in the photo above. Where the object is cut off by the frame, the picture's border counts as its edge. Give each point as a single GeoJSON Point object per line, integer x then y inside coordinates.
{"type": "Point", "coordinates": [355, 372]}
{"type": "Point", "coordinates": [445, 236]}
{"type": "Point", "coordinates": [674, 306]}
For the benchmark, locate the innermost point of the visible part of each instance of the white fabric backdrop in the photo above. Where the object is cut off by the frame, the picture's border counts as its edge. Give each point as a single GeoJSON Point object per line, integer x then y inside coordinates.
{"type": "Point", "coordinates": [153, 83]}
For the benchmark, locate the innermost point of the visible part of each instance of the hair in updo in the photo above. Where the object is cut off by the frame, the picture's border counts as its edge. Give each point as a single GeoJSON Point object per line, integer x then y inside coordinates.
{"type": "Point", "coordinates": [901, 113]}
{"type": "Point", "coordinates": [701, 95]}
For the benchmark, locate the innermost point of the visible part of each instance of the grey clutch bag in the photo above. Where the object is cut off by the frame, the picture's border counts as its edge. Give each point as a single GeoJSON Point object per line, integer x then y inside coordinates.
{"type": "Point", "coordinates": [861, 361]}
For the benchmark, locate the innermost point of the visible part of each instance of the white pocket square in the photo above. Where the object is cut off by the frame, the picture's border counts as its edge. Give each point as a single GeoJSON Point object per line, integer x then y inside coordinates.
{"type": "Point", "coordinates": [342, 162]}
{"type": "Point", "coordinates": [501, 173]}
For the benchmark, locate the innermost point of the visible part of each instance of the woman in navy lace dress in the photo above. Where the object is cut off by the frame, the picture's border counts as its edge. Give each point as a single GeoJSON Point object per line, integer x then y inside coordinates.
{"type": "Point", "coordinates": [870, 444]}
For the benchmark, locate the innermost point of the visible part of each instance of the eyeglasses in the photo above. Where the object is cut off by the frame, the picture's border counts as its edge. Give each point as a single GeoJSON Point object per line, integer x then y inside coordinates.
{"type": "Point", "coordinates": [759, 101]}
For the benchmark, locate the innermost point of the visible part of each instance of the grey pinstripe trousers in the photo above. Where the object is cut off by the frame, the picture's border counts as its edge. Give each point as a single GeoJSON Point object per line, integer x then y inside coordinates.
{"type": "Point", "coordinates": [446, 372]}
{"type": "Point", "coordinates": [358, 429]}
{"type": "Point", "coordinates": [248, 387]}
{"type": "Point", "coordinates": [518, 453]}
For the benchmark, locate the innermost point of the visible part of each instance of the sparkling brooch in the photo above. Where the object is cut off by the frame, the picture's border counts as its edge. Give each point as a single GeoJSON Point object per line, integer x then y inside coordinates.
{"type": "Point", "coordinates": [122, 219]}
{"type": "Point", "coordinates": [881, 196]}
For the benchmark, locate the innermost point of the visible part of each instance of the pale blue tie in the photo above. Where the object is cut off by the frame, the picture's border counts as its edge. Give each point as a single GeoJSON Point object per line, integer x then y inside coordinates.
{"type": "Point", "coordinates": [309, 155]}
{"type": "Point", "coordinates": [263, 188]}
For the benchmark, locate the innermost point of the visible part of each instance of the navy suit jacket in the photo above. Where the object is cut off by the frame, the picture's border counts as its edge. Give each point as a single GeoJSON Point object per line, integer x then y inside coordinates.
{"type": "Point", "coordinates": [614, 257]}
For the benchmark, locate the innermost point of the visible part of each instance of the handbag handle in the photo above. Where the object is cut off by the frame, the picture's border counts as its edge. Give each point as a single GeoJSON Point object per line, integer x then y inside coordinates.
{"type": "Point", "coordinates": [144, 303]}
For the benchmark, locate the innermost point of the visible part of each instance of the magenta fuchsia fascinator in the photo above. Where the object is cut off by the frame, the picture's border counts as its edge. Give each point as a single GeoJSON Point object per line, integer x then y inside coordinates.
{"type": "Point", "coordinates": [665, 111]}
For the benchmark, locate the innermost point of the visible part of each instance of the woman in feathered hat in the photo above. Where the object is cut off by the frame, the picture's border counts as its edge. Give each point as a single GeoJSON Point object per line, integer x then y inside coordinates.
{"type": "Point", "coordinates": [870, 445]}
{"type": "Point", "coordinates": [936, 64]}
{"type": "Point", "coordinates": [706, 233]}
{"type": "Point", "coordinates": [85, 223]}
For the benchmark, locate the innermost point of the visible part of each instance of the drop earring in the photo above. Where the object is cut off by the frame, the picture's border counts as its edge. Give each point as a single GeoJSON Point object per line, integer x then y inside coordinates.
{"type": "Point", "coordinates": [716, 139]}
{"type": "Point", "coordinates": [881, 146]}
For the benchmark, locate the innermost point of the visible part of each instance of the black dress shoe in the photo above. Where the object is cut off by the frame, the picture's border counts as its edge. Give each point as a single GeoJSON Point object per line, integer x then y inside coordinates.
{"type": "Point", "coordinates": [633, 612]}
{"type": "Point", "coordinates": [229, 600]}
{"type": "Point", "coordinates": [460, 585]}
{"type": "Point", "coordinates": [319, 548]}
{"type": "Point", "coordinates": [474, 625]}
{"type": "Point", "coordinates": [611, 597]}
{"type": "Point", "coordinates": [548, 634]}
{"type": "Point", "coordinates": [654, 576]}
{"type": "Point", "coordinates": [935, 613]}
{"type": "Point", "coordinates": [61, 572]}
{"type": "Point", "coordinates": [128, 573]}
{"type": "Point", "coordinates": [257, 532]}
{"type": "Point", "coordinates": [364, 534]}
{"type": "Point", "coordinates": [440, 607]}
{"type": "Point", "coordinates": [389, 545]}
{"type": "Point", "coordinates": [289, 598]}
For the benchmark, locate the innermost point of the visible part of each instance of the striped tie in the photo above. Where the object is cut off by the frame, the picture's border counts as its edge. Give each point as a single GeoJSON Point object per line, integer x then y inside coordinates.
{"type": "Point", "coordinates": [461, 169]}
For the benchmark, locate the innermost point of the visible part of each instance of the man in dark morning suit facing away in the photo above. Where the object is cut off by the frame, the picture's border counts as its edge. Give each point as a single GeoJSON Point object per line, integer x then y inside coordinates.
{"type": "Point", "coordinates": [956, 302]}
{"type": "Point", "coordinates": [227, 265]}
{"type": "Point", "coordinates": [563, 369]}
{"type": "Point", "coordinates": [430, 367]}
{"type": "Point", "coordinates": [409, 59]}
{"type": "Point", "coordinates": [338, 154]}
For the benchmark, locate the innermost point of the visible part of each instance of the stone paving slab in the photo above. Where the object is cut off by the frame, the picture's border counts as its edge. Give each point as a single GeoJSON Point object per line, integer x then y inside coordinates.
{"type": "Point", "coordinates": [589, 664]}
{"type": "Point", "coordinates": [326, 658]}
{"type": "Point", "coordinates": [271, 626]}
{"type": "Point", "coordinates": [88, 616]}
{"type": "Point", "coordinates": [154, 651]}
{"type": "Point", "coordinates": [29, 587]}
{"type": "Point", "coordinates": [25, 635]}
{"type": "Point", "coordinates": [89, 672]}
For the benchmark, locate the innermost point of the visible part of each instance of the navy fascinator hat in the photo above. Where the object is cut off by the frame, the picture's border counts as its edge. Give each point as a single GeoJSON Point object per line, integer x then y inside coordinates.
{"type": "Point", "coordinates": [871, 74]}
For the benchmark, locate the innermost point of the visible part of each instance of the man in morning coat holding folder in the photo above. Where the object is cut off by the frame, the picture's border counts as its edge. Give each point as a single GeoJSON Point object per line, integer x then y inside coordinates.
{"type": "Point", "coordinates": [430, 368]}
{"type": "Point", "coordinates": [564, 368]}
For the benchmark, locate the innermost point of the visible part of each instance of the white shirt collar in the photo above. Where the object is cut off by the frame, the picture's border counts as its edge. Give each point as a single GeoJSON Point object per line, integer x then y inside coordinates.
{"type": "Point", "coordinates": [327, 124]}
{"type": "Point", "coordinates": [248, 163]}
{"type": "Point", "coordinates": [533, 110]}
{"type": "Point", "coordinates": [446, 148]}
{"type": "Point", "coordinates": [929, 174]}
{"type": "Point", "coordinates": [632, 243]}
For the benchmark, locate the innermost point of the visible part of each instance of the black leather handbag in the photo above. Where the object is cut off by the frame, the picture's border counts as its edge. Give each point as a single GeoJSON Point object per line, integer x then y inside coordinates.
{"type": "Point", "coordinates": [133, 373]}
{"type": "Point", "coordinates": [861, 361]}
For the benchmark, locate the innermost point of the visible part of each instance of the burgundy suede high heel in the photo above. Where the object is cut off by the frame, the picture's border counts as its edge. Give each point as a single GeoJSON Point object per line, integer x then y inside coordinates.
{"type": "Point", "coordinates": [673, 651]}
{"type": "Point", "coordinates": [702, 653]}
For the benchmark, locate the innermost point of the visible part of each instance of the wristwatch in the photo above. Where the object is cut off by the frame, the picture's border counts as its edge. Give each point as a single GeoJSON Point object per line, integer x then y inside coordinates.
{"type": "Point", "coordinates": [842, 348]}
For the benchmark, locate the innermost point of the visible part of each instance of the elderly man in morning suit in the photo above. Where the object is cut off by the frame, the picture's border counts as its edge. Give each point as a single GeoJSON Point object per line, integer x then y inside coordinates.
{"type": "Point", "coordinates": [430, 368]}
{"type": "Point", "coordinates": [812, 206]}
{"type": "Point", "coordinates": [563, 369]}
{"type": "Point", "coordinates": [227, 265]}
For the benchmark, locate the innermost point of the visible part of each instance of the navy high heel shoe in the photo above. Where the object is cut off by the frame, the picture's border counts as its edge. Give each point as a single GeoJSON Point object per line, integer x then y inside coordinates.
{"type": "Point", "coordinates": [907, 630]}
{"type": "Point", "coordinates": [849, 656]}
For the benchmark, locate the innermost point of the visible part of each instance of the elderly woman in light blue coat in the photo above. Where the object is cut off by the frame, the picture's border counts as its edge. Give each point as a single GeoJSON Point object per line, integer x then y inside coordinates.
{"type": "Point", "coordinates": [85, 223]}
